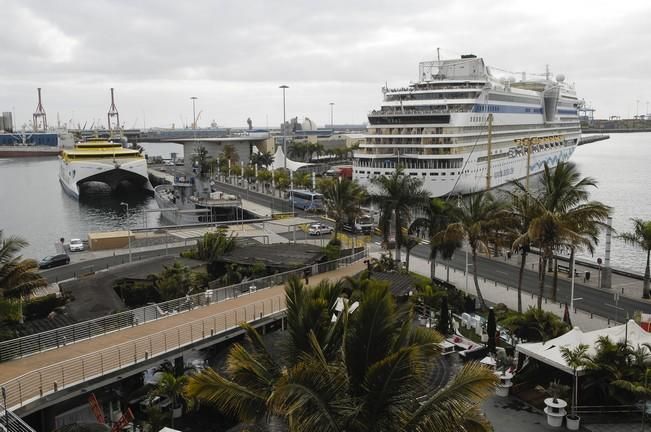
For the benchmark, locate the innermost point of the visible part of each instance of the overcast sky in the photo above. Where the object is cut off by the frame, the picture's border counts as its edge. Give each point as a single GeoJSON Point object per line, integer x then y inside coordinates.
{"type": "Point", "coordinates": [233, 55]}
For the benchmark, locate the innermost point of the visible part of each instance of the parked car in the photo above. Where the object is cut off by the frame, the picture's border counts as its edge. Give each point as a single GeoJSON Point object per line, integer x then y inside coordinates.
{"type": "Point", "coordinates": [318, 229]}
{"type": "Point", "coordinates": [54, 261]}
{"type": "Point", "coordinates": [76, 245]}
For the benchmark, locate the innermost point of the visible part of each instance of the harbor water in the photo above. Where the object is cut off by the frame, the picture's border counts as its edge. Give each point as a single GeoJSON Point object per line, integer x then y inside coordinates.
{"type": "Point", "coordinates": [35, 207]}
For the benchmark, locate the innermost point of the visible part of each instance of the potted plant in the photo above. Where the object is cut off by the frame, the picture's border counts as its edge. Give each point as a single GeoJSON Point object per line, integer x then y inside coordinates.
{"type": "Point", "coordinates": [504, 363]}
{"type": "Point", "coordinates": [554, 405]}
{"type": "Point", "coordinates": [575, 358]}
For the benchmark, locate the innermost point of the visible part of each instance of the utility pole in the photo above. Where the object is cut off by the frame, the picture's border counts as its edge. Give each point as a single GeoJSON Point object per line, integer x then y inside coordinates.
{"type": "Point", "coordinates": [284, 87]}
{"type": "Point", "coordinates": [332, 124]}
{"type": "Point", "coordinates": [194, 116]}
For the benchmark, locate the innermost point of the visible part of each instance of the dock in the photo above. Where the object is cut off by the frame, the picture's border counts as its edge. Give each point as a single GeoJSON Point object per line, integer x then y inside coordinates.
{"type": "Point", "coordinates": [593, 138]}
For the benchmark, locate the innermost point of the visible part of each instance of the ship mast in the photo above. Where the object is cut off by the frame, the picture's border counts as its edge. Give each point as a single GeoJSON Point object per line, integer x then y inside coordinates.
{"type": "Point", "coordinates": [490, 150]}
{"type": "Point", "coordinates": [39, 113]}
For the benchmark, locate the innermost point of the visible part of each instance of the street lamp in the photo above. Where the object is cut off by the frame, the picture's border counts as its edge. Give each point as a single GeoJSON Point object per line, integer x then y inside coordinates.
{"type": "Point", "coordinates": [128, 228]}
{"type": "Point", "coordinates": [284, 87]}
{"type": "Point", "coordinates": [332, 124]}
{"type": "Point", "coordinates": [194, 116]}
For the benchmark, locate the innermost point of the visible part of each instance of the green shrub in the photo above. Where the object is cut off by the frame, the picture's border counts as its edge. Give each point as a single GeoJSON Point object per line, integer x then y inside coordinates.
{"type": "Point", "coordinates": [333, 250]}
{"type": "Point", "coordinates": [40, 307]}
{"type": "Point", "coordinates": [136, 293]}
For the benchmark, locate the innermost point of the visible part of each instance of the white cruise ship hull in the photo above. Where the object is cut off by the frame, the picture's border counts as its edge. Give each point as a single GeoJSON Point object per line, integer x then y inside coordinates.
{"type": "Point", "coordinates": [73, 174]}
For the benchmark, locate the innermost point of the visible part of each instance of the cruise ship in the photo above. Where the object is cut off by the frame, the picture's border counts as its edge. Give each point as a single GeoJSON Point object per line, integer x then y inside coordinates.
{"type": "Point", "coordinates": [104, 161]}
{"type": "Point", "coordinates": [461, 129]}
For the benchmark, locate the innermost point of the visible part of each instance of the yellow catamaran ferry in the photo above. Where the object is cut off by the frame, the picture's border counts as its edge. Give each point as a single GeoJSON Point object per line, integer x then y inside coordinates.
{"type": "Point", "coordinates": [105, 161]}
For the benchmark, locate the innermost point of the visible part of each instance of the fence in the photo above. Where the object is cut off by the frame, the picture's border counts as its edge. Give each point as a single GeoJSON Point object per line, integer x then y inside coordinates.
{"type": "Point", "coordinates": [10, 422]}
{"type": "Point", "coordinates": [50, 379]}
{"type": "Point", "coordinates": [51, 339]}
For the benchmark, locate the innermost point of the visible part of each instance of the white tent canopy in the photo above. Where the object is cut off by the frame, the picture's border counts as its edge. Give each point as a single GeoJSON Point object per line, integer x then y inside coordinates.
{"type": "Point", "coordinates": [549, 352]}
{"type": "Point", "coordinates": [279, 160]}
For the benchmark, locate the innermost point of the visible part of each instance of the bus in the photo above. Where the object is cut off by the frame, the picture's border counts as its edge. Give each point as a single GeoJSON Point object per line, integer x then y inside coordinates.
{"type": "Point", "coordinates": [306, 200]}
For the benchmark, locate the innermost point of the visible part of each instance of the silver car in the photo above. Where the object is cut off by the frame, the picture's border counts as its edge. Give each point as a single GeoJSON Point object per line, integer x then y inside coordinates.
{"type": "Point", "coordinates": [76, 245]}
{"type": "Point", "coordinates": [318, 229]}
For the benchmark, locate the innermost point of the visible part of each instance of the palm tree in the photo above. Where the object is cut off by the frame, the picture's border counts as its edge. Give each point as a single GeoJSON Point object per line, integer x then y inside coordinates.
{"type": "Point", "coordinates": [523, 210]}
{"type": "Point", "coordinates": [641, 237]}
{"type": "Point", "coordinates": [437, 215]}
{"type": "Point", "coordinates": [410, 243]}
{"type": "Point", "coordinates": [478, 213]}
{"type": "Point", "coordinates": [361, 371]}
{"type": "Point", "coordinates": [266, 159]}
{"type": "Point", "coordinates": [302, 179]}
{"type": "Point", "coordinates": [171, 386]}
{"type": "Point", "coordinates": [535, 325]}
{"type": "Point", "coordinates": [342, 200]}
{"type": "Point", "coordinates": [565, 216]}
{"type": "Point", "coordinates": [575, 358]}
{"type": "Point", "coordinates": [398, 194]}
{"type": "Point", "coordinates": [18, 276]}
{"type": "Point", "coordinates": [230, 153]}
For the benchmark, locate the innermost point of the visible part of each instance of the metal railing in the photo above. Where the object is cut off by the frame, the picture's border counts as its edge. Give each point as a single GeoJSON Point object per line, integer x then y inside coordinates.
{"type": "Point", "coordinates": [51, 379]}
{"type": "Point", "coordinates": [52, 339]}
{"type": "Point", "coordinates": [10, 422]}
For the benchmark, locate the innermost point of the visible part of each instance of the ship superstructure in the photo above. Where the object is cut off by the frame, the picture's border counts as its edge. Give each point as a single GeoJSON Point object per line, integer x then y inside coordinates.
{"type": "Point", "coordinates": [460, 129]}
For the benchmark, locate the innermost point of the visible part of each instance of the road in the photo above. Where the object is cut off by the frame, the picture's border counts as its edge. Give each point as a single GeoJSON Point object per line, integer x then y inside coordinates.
{"type": "Point", "coordinates": [600, 302]}
{"type": "Point", "coordinates": [274, 203]}
{"type": "Point", "coordinates": [72, 270]}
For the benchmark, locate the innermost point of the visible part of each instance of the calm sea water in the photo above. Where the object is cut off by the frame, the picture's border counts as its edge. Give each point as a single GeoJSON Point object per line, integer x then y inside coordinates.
{"type": "Point", "coordinates": [33, 205]}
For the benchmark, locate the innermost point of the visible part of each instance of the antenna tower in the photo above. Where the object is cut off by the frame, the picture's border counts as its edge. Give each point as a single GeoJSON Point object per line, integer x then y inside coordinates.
{"type": "Point", "coordinates": [113, 112]}
{"type": "Point", "coordinates": [39, 113]}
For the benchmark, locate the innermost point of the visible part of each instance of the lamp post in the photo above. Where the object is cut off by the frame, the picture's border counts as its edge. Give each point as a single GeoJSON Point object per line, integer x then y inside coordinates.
{"type": "Point", "coordinates": [128, 228]}
{"type": "Point", "coordinates": [332, 124]}
{"type": "Point", "coordinates": [284, 87]}
{"type": "Point", "coordinates": [194, 116]}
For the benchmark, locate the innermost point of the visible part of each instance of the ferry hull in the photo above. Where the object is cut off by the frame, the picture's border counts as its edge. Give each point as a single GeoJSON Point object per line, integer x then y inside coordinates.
{"type": "Point", "coordinates": [75, 174]}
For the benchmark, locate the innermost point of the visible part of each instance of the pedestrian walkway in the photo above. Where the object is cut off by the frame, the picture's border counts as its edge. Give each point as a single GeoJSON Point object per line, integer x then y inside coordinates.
{"type": "Point", "coordinates": [494, 293]}
{"type": "Point", "coordinates": [29, 378]}
{"type": "Point", "coordinates": [624, 285]}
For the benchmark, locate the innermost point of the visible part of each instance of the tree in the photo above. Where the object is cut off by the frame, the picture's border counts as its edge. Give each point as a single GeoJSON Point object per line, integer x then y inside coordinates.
{"type": "Point", "coordinates": [266, 159]}
{"type": "Point", "coordinates": [443, 325]}
{"type": "Point", "coordinates": [641, 237]}
{"type": "Point", "coordinates": [399, 194]}
{"type": "Point", "coordinates": [491, 329]}
{"type": "Point", "coordinates": [201, 160]}
{"type": "Point", "coordinates": [171, 386]}
{"type": "Point", "coordinates": [18, 276]}
{"type": "Point", "coordinates": [523, 210]}
{"type": "Point", "coordinates": [477, 214]}
{"type": "Point", "coordinates": [363, 371]}
{"type": "Point", "coordinates": [575, 358]}
{"type": "Point", "coordinates": [265, 177]}
{"type": "Point", "coordinates": [343, 200]}
{"type": "Point", "coordinates": [302, 180]}
{"type": "Point", "coordinates": [211, 247]}
{"type": "Point", "coordinates": [230, 154]}
{"type": "Point", "coordinates": [565, 217]}
{"type": "Point", "coordinates": [174, 281]}
{"type": "Point", "coordinates": [437, 215]}
{"type": "Point", "coordinates": [535, 325]}
{"type": "Point", "coordinates": [410, 243]}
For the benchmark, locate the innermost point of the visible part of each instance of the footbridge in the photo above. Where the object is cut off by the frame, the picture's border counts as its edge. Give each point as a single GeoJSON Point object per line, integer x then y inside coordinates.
{"type": "Point", "coordinates": [45, 369]}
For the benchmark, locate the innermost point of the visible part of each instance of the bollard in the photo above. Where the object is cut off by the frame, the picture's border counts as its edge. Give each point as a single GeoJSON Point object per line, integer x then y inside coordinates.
{"type": "Point", "coordinates": [40, 391]}
{"type": "Point", "coordinates": [55, 386]}
{"type": "Point", "coordinates": [146, 355]}
{"type": "Point", "coordinates": [591, 316]}
{"type": "Point", "coordinates": [212, 332]}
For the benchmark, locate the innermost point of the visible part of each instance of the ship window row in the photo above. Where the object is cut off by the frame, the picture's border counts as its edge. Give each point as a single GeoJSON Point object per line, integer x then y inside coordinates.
{"type": "Point", "coordinates": [429, 96]}
{"type": "Point", "coordinates": [409, 163]}
{"type": "Point", "coordinates": [410, 119]}
{"type": "Point", "coordinates": [405, 131]}
{"type": "Point", "coordinates": [407, 141]}
{"type": "Point", "coordinates": [439, 86]}
{"type": "Point", "coordinates": [101, 156]}
{"type": "Point", "coordinates": [513, 98]}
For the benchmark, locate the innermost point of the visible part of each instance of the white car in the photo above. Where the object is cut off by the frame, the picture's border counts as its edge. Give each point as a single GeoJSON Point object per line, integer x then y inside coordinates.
{"type": "Point", "coordinates": [318, 229]}
{"type": "Point", "coordinates": [76, 245]}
